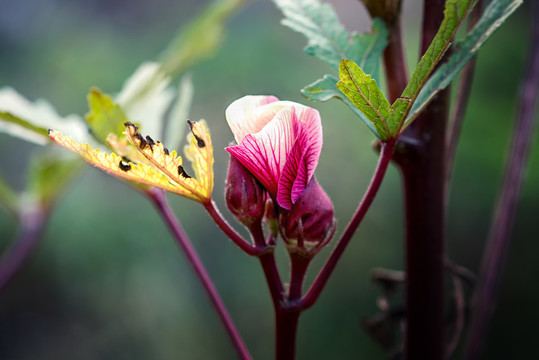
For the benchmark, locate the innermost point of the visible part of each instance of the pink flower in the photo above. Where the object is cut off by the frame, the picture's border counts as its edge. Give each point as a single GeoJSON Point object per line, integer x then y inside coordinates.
{"type": "Point", "coordinates": [279, 142]}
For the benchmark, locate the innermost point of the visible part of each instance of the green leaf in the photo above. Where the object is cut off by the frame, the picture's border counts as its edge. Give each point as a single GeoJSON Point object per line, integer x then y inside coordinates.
{"type": "Point", "coordinates": [493, 16]}
{"type": "Point", "coordinates": [30, 120]}
{"type": "Point", "coordinates": [362, 90]}
{"type": "Point", "coordinates": [325, 89]}
{"type": "Point", "coordinates": [327, 38]}
{"type": "Point", "coordinates": [16, 126]}
{"type": "Point", "coordinates": [196, 41]}
{"type": "Point", "coordinates": [49, 174]}
{"type": "Point", "coordinates": [105, 116]}
{"type": "Point", "coordinates": [454, 14]}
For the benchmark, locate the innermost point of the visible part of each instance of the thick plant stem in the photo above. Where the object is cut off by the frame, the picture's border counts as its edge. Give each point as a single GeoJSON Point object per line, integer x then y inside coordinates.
{"type": "Point", "coordinates": [286, 327]}
{"type": "Point", "coordinates": [502, 224]}
{"type": "Point", "coordinates": [286, 318]}
{"type": "Point", "coordinates": [268, 264]}
{"type": "Point", "coordinates": [159, 200]}
{"type": "Point", "coordinates": [32, 223]}
{"type": "Point", "coordinates": [422, 162]}
{"type": "Point", "coordinates": [386, 152]}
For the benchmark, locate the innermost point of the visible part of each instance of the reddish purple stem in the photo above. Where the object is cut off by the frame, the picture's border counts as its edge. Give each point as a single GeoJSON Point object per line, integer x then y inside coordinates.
{"type": "Point", "coordinates": [386, 152]}
{"type": "Point", "coordinates": [230, 232]}
{"type": "Point", "coordinates": [159, 200]}
{"type": "Point", "coordinates": [32, 224]}
{"type": "Point", "coordinates": [502, 224]}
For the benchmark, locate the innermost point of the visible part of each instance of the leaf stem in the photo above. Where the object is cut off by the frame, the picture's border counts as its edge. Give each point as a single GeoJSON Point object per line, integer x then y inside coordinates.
{"type": "Point", "coordinates": [386, 152]}
{"type": "Point", "coordinates": [159, 199]}
{"type": "Point", "coordinates": [504, 216]}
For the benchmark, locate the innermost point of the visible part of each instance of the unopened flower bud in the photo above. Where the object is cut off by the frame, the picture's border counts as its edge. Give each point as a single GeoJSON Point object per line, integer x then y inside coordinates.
{"type": "Point", "coordinates": [309, 225]}
{"type": "Point", "coordinates": [244, 195]}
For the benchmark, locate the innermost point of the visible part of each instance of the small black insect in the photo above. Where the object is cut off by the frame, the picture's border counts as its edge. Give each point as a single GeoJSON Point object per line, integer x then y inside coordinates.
{"type": "Point", "coordinates": [182, 172]}
{"type": "Point", "coordinates": [141, 140]}
{"type": "Point", "coordinates": [200, 142]}
{"type": "Point", "coordinates": [127, 123]}
{"type": "Point", "coordinates": [124, 165]}
{"type": "Point", "coordinates": [150, 142]}
{"type": "Point", "coordinates": [165, 150]}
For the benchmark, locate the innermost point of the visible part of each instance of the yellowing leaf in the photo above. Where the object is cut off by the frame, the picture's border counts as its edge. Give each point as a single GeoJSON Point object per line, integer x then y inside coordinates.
{"type": "Point", "coordinates": [125, 168]}
{"type": "Point", "coordinates": [199, 151]}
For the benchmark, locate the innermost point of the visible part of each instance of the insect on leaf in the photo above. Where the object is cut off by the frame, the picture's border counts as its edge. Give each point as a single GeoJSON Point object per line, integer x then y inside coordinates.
{"type": "Point", "coordinates": [199, 151]}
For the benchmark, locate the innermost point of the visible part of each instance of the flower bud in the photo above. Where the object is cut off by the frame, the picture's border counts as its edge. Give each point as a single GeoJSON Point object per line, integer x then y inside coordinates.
{"type": "Point", "coordinates": [244, 195]}
{"type": "Point", "coordinates": [309, 225]}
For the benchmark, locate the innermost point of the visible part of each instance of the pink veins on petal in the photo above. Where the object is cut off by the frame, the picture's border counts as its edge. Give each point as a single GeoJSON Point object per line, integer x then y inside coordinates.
{"type": "Point", "coordinates": [284, 154]}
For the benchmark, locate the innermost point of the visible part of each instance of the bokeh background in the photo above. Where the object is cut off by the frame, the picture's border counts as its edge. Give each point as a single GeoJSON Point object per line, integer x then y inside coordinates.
{"type": "Point", "coordinates": [107, 280]}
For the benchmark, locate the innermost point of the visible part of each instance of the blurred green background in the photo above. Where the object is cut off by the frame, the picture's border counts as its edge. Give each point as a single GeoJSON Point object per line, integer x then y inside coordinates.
{"type": "Point", "coordinates": [107, 281]}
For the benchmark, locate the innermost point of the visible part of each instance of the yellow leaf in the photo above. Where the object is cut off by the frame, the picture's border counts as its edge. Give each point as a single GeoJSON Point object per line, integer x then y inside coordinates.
{"type": "Point", "coordinates": [123, 167]}
{"type": "Point", "coordinates": [199, 151]}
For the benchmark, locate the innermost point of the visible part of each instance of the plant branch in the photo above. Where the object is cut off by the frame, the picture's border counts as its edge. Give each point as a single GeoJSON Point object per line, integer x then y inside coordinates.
{"type": "Point", "coordinates": [230, 232]}
{"type": "Point", "coordinates": [159, 199]}
{"type": "Point", "coordinates": [504, 216]}
{"type": "Point", "coordinates": [386, 152]}
{"type": "Point", "coordinates": [267, 261]}
{"type": "Point", "coordinates": [32, 221]}
{"type": "Point", "coordinates": [461, 103]}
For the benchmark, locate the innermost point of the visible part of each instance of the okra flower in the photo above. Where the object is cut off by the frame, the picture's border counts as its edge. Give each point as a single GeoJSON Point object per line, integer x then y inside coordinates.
{"type": "Point", "coordinates": [279, 142]}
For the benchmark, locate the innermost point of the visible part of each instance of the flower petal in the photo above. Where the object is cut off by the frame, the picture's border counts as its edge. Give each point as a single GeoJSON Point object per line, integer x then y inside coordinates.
{"type": "Point", "coordinates": [303, 158]}
{"type": "Point", "coordinates": [264, 153]}
{"type": "Point", "coordinates": [242, 116]}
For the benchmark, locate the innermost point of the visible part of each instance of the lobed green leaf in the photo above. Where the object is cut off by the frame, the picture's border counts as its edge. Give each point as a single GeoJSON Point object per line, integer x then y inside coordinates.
{"type": "Point", "coordinates": [493, 16]}
{"type": "Point", "coordinates": [364, 93]}
{"type": "Point", "coordinates": [196, 41]}
{"type": "Point", "coordinates": [15, 125]}
{"type": "Point", "coordinates": [325, 89]}
{"type": "Point", "coordinates": [327, 38]}
{"type": "Point", "coordinates": [454, 14]}
{"type": "Point", "coordinates": [29, 120]}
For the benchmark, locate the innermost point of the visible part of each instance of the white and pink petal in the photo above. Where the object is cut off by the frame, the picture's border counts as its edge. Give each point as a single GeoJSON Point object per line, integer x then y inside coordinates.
{"type": "Point", "coordinates": [244, 117]}
{"type": "Point", "coordinates": [265, 153]}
